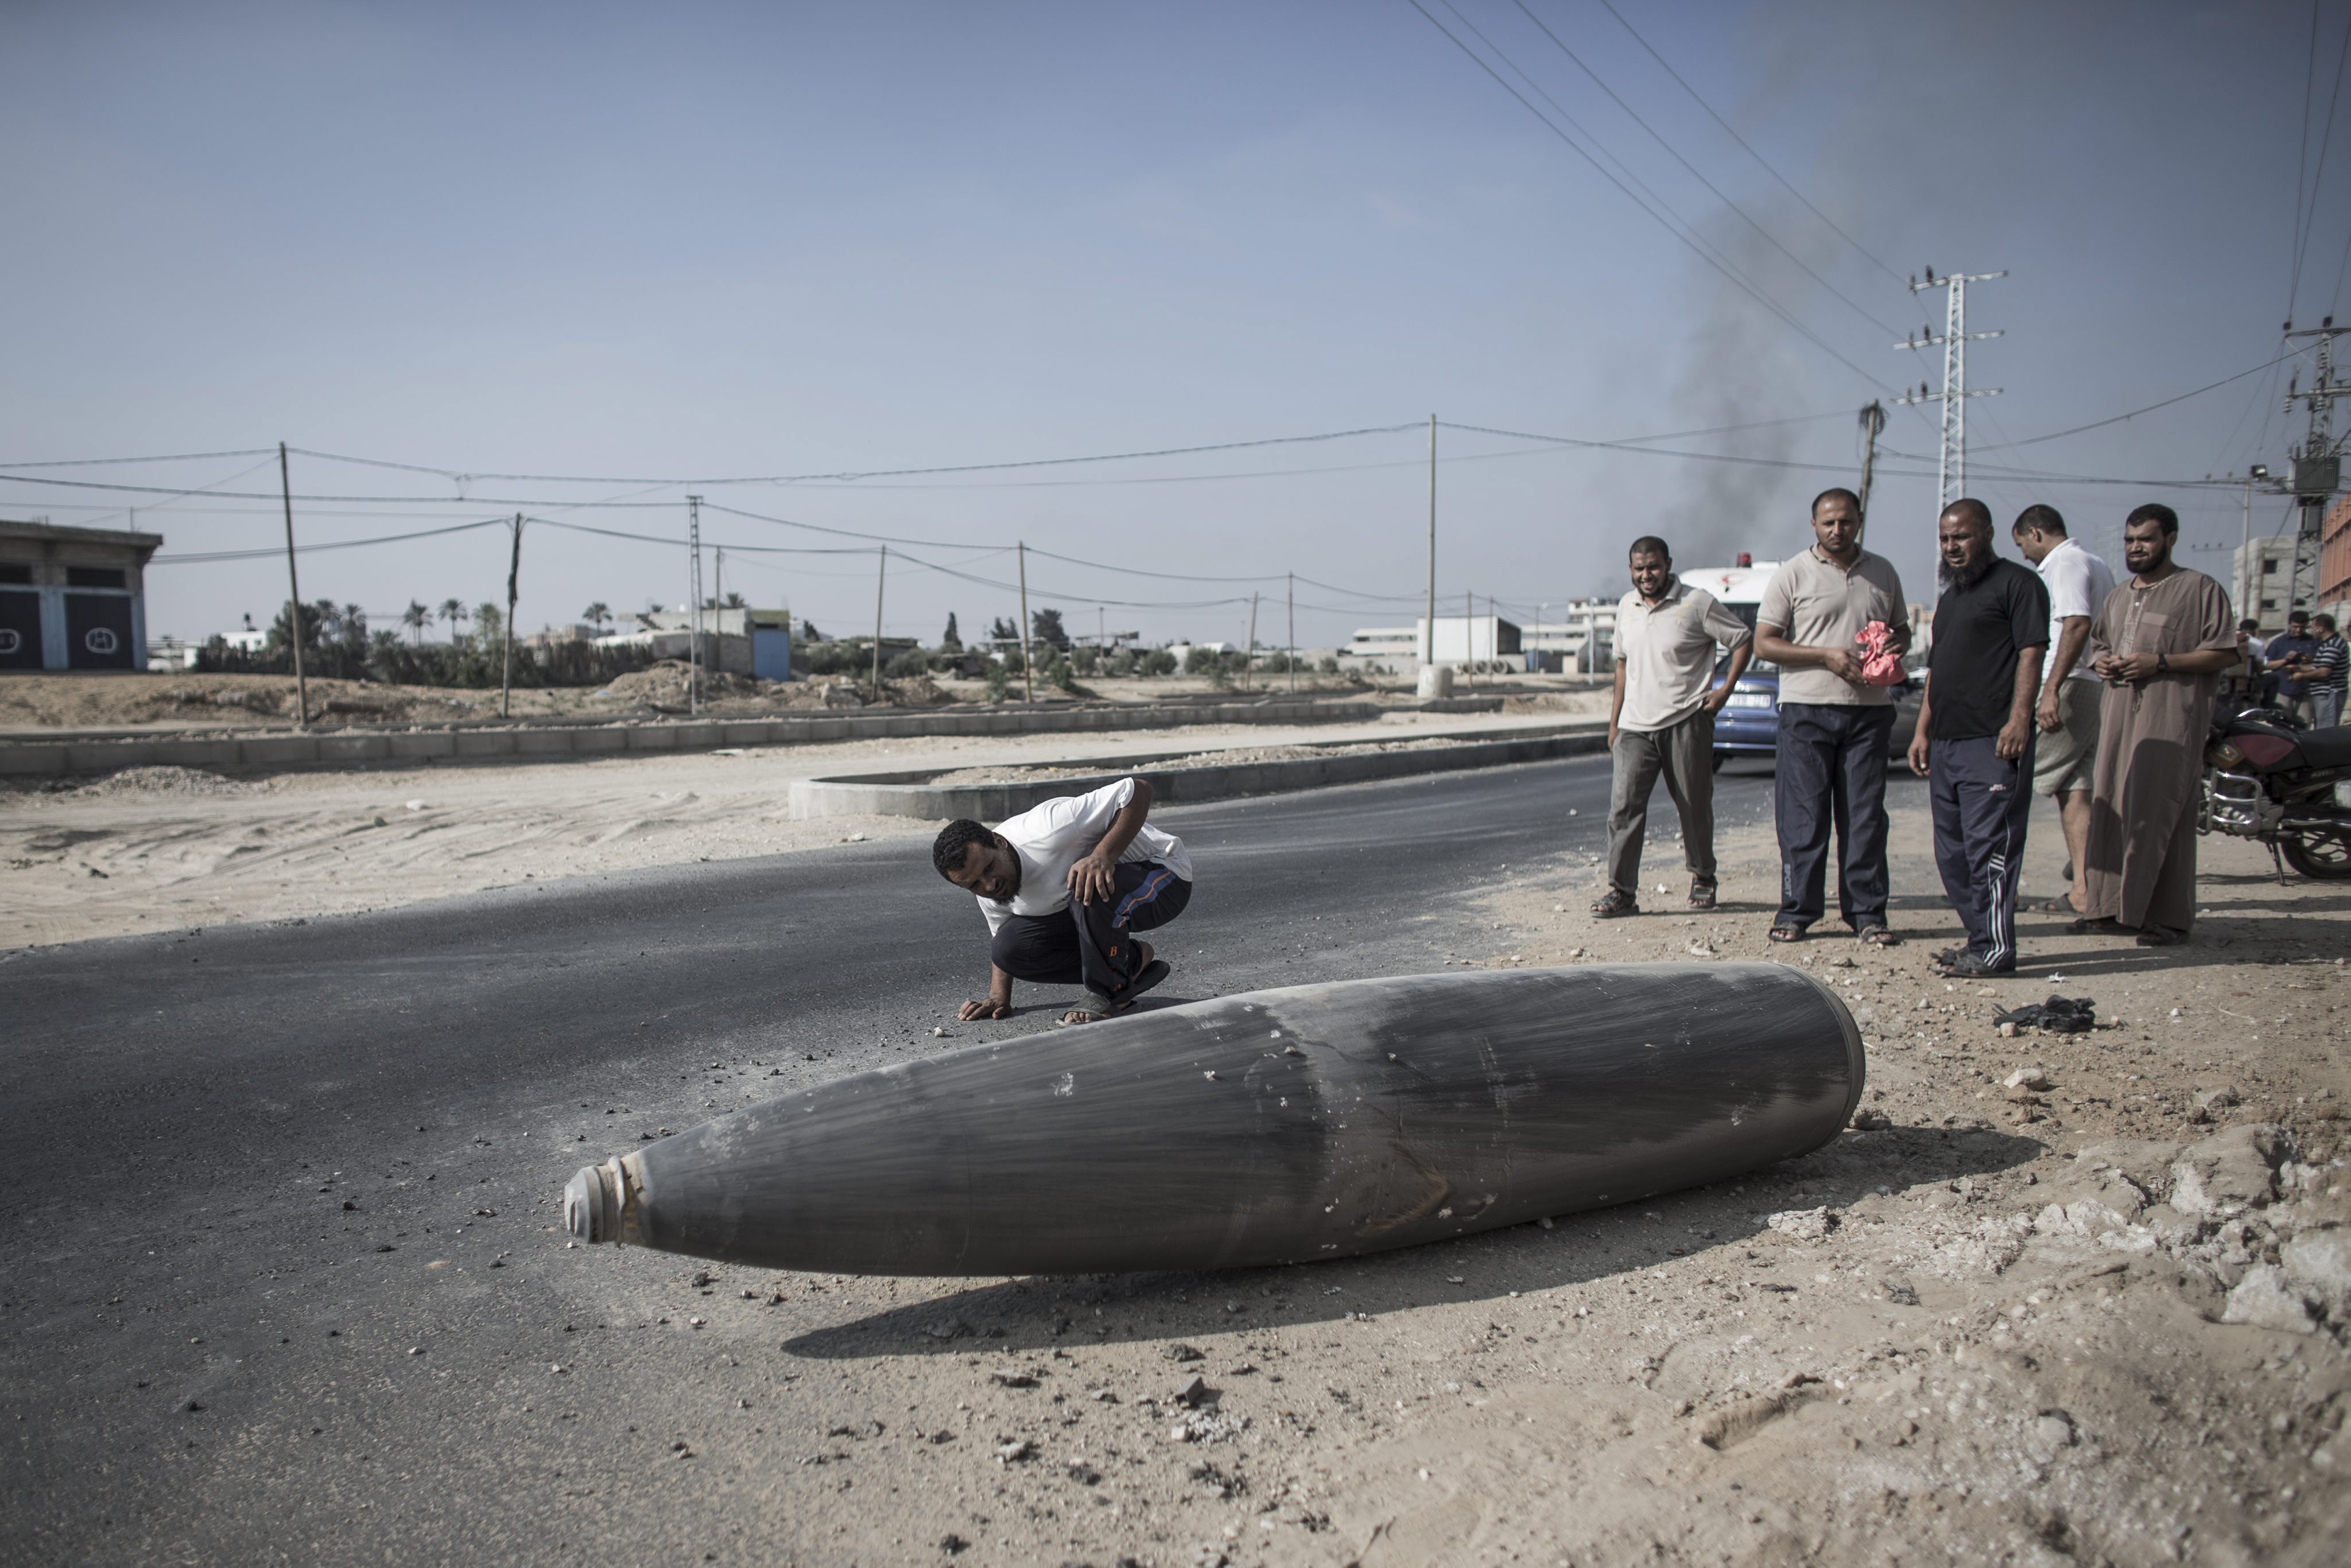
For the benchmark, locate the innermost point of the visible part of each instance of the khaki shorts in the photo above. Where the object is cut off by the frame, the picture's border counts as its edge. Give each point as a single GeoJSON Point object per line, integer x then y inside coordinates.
{"type": "Point", "coordinates": [2065, 761]}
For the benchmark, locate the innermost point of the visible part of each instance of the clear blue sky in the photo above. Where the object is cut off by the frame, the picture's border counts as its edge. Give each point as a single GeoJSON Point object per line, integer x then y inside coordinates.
{"type": "Point", "coordinates": [708, 242]}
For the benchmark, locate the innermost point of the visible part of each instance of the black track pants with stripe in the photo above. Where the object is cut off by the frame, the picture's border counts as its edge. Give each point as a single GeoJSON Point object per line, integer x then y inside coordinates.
{"type": "Point", "coordinates": [1093, 943]}
{"type": "Point", "coordinates": [1981, 807]}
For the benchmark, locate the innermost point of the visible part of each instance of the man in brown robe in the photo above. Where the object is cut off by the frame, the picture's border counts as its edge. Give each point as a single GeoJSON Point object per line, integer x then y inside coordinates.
{"type": "Point", "coordinates": [2160, 642]}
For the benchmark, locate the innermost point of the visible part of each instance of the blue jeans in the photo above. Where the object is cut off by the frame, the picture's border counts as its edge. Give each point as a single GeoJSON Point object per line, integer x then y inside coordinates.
{"type": "Point", "coordinates": [1980, 805]}
{"type": "Point", "coordinates": [1831, 774]}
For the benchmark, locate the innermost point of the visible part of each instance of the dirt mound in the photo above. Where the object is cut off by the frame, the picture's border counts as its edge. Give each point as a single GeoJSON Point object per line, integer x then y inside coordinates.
{"type": "Point", "coordinates": [154, 782]}
{"type": "Point", "coordinates": [664, 687]}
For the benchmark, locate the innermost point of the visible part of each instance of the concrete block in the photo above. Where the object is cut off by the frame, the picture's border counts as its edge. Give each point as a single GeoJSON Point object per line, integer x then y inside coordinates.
{"type": "Point", "coordinates": [352, 749]}
{"type": "Point", "coordinates": [277, 751]}
{"type": "Point", "coordinates": [485, 742]}
{"type": "Point", "coordinates": [422, 744]}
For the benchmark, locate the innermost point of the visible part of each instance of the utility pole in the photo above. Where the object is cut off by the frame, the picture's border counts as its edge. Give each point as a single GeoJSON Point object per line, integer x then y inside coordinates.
{"type": "Point", "coordinates": [1428, 644]}
{"type": "Point", "coordinates": [1952, 466]}
{"type": "Point", "coordinates": [1469, 638]}
{"type": "Point", "coordinates": [1028, 682]}
{"type": "Point", "coordinates": [294, 602]}
{"type": "Point", "coordinates": [881, 580]}
{"type": "Point", "coordinates": [1291, 597]}
{"type": "Point", "coordinates": [1249, 653]}
{"type": "Point", "coordinates": [694, 605]}
{"type": "Point", "coordinates": [2315, 472]}
{"type": "Point", "coordinates": [505, 667]}
{"type": "Point", "coordinates": [1873, 422]}
{"type": "Point", "coordinates": [2241, 579]}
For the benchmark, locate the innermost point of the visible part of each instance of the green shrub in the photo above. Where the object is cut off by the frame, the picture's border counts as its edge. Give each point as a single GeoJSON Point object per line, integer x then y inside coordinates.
{"type": "Point", "coordinates": [1157, 661]}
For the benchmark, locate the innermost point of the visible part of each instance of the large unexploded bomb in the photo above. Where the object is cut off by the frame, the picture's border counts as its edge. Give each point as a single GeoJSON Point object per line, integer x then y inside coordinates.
{"type": "Point", "coordinates": [1276, 1126]}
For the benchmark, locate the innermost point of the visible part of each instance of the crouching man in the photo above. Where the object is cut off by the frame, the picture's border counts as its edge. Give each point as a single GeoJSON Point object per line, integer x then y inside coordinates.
{"type": "Point", "coordinates": [1065, 886]}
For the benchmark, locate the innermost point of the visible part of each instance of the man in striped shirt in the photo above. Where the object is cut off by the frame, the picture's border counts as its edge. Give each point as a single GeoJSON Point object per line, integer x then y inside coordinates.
{"type": "Point", "coordinates": [2326, 673]}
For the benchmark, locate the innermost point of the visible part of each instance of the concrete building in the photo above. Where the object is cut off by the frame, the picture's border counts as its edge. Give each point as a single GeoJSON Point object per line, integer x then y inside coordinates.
{"type": "Point", "coordinates": [2262, 579]}
{"type": "Point", "coordinates": [2335, 561]}
{"type": "Point", "coordinates": [73, 598]}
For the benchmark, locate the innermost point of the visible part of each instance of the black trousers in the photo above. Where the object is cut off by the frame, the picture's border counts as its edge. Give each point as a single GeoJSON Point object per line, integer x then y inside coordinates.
{"type": "Point", "coordinates": [1090, 943]}
{"type": "Point", "coordinates": [1830, 772]}
{"type": "Point", "coordinates": [1980, 804]}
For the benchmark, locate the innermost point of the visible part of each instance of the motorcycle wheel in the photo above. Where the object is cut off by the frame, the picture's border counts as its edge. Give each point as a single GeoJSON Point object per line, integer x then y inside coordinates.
{"type": "Point", "coordinates": [2323, 853]}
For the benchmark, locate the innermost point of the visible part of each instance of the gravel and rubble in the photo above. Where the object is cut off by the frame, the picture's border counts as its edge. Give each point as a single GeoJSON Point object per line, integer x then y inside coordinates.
{"type": "Point", "coordinates": [2059, 1296]}
{"type": "Point", "coordinates": [2041, 1305]}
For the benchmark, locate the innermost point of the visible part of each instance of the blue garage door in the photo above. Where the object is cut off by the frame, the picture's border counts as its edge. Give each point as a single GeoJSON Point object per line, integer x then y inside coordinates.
{"type": "Point", "coordinates": [97, 630]}
{"type": "Point", "coordinates": [20, 630]}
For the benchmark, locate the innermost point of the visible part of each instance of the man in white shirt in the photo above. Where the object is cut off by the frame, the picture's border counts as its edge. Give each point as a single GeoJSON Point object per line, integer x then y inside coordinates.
{"type": "Point", "coordinates": [1065, 885]}
{"type": "Point", "coordinates": [1661, 720]}
{"type": "Point", "coordinates": [2070, 692]}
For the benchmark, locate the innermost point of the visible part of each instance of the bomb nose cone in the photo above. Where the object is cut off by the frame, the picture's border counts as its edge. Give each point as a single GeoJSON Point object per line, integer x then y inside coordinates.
{"type": "Point", "coordinates": [591, 1203]}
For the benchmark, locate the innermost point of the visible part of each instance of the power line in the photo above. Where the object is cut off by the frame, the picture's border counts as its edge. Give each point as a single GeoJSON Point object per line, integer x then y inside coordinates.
{"type": "Point", "coordinates": [2318, 175]}
{"type": "Point", "coordinates": [1744, 215]}
{"type": "Point", "coordinates": [2301, 159]}
{"type": "Point", "coordinates": [197, 557]}
{"type": "Point", "coordinates": [850, 475]}
{"type": "Point", "coordinates": [1696, 247]}
{"type": "Point", "coordinates": [170, 457]}
{"type": "Point", "coordinates": [1751, 151]}
{"type": "Point", "coordinates": [2150, 408]}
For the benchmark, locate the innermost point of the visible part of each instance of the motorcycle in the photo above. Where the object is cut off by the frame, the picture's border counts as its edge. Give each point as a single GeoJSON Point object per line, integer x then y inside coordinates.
{"type": "Point", "coordinates": [2266, 777]}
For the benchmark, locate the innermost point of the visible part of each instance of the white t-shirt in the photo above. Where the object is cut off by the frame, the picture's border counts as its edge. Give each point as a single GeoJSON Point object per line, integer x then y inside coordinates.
{"type": "Point", "coordinates": [2078, 583]}
{"type": "Point", "coordinates": [1052, 837]}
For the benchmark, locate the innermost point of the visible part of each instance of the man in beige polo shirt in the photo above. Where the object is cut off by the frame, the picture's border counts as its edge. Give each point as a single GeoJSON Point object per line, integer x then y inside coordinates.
{"type": "Point", "coordinates": [1836, 726]}
{"type": "Point", "coordinates": [1662, 720]}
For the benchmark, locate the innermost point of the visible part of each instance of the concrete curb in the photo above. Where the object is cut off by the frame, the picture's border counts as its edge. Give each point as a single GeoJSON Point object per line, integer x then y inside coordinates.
{"type": "Point", "coordinates": [907, 794]}
{"type": "Point", "coordinates": [543, 742]}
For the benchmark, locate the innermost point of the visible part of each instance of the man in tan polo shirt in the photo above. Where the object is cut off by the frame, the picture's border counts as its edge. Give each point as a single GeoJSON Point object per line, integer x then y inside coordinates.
{"type": "Point", "coordinates": [1835, 725]}
{"type": "Point", "coordinates": [1662, 720]}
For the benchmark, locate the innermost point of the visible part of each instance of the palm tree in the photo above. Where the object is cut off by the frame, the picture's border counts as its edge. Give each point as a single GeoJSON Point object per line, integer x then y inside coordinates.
{"type": "Point", "coordinates": [453, 612]}
{"type": "Point", "coordinates": [416, 618]}
{"type": "Point", "coordinates": [597, 614]}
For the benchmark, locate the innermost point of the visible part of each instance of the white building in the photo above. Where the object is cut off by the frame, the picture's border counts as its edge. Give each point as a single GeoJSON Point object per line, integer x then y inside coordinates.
{"type": "Point", "coordinates": [2261, 579]}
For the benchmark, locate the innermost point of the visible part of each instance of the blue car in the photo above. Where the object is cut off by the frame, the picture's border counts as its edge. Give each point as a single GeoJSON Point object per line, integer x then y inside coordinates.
{"type": "Point", "coordinates": [1749, 724]}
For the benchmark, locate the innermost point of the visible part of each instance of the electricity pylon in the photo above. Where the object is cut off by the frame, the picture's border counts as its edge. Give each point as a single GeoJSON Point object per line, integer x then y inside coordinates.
{"type": "Point", "coordinates": [1952, 468]}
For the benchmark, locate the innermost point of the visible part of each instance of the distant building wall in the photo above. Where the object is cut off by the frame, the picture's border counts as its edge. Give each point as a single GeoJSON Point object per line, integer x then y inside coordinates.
{"type": "Point", "coordinates": [73, 598]}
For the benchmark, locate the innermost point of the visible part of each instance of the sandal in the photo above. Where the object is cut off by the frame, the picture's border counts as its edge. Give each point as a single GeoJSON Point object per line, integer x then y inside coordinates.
{"type": "Point", "coordinates": [1880, 936]}
{"type": "Point", "coordinates": [1615, 905]}
{"type": "Point", "coordinates": [2061, 907]}
{"type": "Point", "coordinates": [1786, 934]}
{"type": "Point", "coordinates": [1099, 1006]}
{"type": "Point", "coordinates": [1701, 897]}
{"type": "Point", "coordinates": [2161, 937]}
{"type": "Point", "coordinates": [2087, 925]}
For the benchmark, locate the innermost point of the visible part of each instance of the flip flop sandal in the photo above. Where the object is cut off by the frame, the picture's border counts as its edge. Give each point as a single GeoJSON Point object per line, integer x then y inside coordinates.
{"type": "Point", "coordinates": [1150, 975]}
{"type": "Point", "coordinates": [1786, 934]}
{"type": "Point", "coordinates": [1880, 936]}
{"type": "Point", "coordinates": [2060, 906]}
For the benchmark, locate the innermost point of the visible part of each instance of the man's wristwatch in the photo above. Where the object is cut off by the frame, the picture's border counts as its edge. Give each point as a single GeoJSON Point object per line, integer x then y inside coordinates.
{"type": "Point", "coordinates": [2163, 664]}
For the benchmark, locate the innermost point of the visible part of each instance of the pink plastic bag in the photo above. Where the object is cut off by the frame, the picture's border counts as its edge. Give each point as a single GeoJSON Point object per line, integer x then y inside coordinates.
{"type": "Point", "coordinates": [1880, 664]}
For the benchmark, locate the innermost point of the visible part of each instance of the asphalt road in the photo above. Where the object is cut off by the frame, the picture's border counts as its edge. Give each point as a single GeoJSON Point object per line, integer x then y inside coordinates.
{"type": "Point", "coordinates": [281, 1276]}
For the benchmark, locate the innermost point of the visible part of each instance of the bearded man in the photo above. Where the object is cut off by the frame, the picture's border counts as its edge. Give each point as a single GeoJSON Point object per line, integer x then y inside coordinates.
{"type": "Point", "coordinates": [2161, 643]}
{"type": "Point", "coordinates": [1976, 733]}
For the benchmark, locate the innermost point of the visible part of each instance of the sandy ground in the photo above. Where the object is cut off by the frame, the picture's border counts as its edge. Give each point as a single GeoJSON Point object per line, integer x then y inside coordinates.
{"type": "Point", "coordinates": [2097, 1321]}
{"type": "Point", "coordinates": [2099, 1317]}
{"type": "Point", "coordinates": [158, 702]}
{"type": "Point", "coordinates": [159, 849]}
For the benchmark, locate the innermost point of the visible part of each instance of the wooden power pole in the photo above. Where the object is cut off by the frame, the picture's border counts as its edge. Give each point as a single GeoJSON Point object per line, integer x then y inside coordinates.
{"type": "Point", "coordinates": [506, 669]}
{"type": "Point", "coordinates": [293, 603]}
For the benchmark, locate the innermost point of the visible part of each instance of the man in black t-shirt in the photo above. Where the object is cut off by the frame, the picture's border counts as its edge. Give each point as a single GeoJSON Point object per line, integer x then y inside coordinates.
{"type": "Point", "coordinates": [1976, 732]}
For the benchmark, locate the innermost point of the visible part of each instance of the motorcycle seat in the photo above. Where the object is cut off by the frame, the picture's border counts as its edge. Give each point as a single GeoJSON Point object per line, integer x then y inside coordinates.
{"type": "Point", "coordinates": [2325, 748]}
